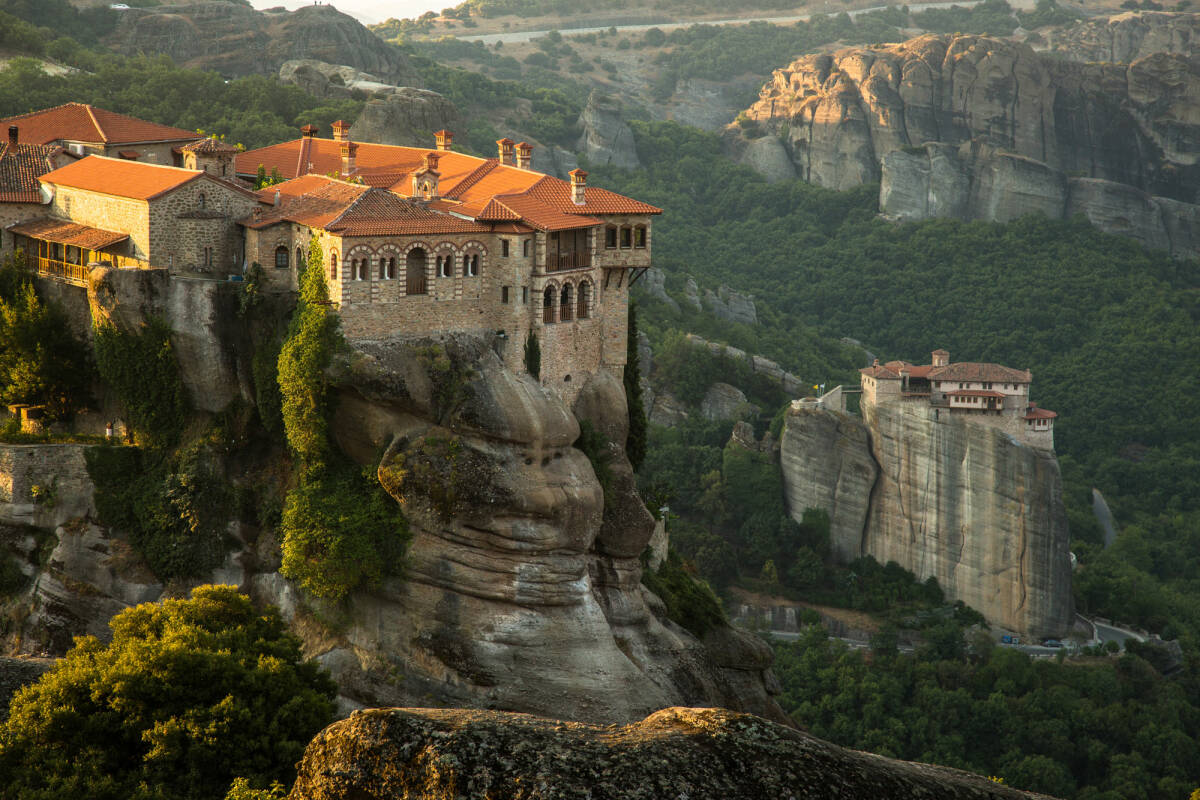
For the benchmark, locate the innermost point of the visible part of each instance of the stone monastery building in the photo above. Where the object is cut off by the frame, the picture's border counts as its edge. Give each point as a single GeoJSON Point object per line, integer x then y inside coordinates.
{"type": "Point", "coordinates": [986, 393]}
{"type": "Point", "coordinates": [412, 240]}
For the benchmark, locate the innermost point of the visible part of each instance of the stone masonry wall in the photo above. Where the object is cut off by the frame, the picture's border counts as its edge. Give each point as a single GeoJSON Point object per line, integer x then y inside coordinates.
{"type": "Point", "coordinates": [11, 214]}
{"type": "Point", "coordinates": [107, 213]}
{"type": "Point", "coordinates": [180, 228]}
{"type": "Point", "coordinates": [59, 473]}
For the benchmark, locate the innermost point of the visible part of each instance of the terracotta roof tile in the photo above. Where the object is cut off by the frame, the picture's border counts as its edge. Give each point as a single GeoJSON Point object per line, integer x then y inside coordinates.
{"type": "Point", "coordinates": [209, 146]}
{"type": "Point", "coordinates": [318, 202]}
{"type": "Point", "coordinates": [974, 393]}
{"type": "Point", "coordinates": [378, 212]}
{"type": "Point", "coordinates": [120, 178]}
{"type": "Point", "coordinates": [1033, 412]}
{"type": "Point", "coordinates": [980, 372]}
{"type": "Point", "coordinates": [558, 193]}
{"type": "Point", "coordinates": [80, 122]}
{"type": "Point", "coordinates": [66, 232]}
{"type": "Point", "coordinates": [20, 168]}
{"type": "Point", "coordinates": [880, 372]}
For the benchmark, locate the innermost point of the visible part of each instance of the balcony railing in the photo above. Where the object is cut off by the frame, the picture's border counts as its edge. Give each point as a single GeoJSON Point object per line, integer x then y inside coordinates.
{"type": "Point", "coordinates": [63, 270]}
{"type": "Point", "coordinates": [560, 261]}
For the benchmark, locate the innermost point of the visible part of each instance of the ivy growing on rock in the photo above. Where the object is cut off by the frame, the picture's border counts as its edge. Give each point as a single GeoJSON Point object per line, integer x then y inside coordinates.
{"type": "Point", "coordinates": [141, 367]}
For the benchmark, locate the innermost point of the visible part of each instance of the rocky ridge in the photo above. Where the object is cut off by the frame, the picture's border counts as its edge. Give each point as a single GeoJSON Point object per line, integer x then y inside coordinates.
{"type": "Point", "coordinates": [976, 127]}
{"type": "Point", "coordinates": [236, 40]}
{"type": "Point", "coordinates": [962, 502]}
{"type": "Point", "coordinates": [1124, 38]}
{"type": "Point", "coordinates": [698, 753]}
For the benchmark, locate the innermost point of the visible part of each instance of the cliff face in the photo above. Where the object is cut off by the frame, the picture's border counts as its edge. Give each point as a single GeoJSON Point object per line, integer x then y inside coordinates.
{"type": "Point", "coordinates": [1127, 37]}
{"type": "Point", "coordinates": [1016, 129]}
{"type": "Point", "coordinates": [522, 584]}
{"type": "Point", "coordinates": [423, 754]}
{"type": "Point", "coordinates": [235, 40]}
{"type": "Point", "coordinates": [958, 501]}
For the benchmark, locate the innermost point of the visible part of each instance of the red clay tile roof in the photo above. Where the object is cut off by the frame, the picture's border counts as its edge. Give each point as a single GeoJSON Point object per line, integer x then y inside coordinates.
{"type": "Point", "coordinates": [880, 372]}
{"type": "Point", "coordinates": [80, 122]}
{"type": "Point", "coordinates": [1033, 412]}
{"type": "Point", "coordinates": [483, 188]}
{"type": "Point", "coordinates": [980, 372]}
{"type": "Point", "coordinates": [20, 168]}
{"type": "Point", "coordinates": [354, 210]}
{"type": "Point", "coordinates": [209, 146]}
{"type": "Point", "coordinates": [65, 232]}
{"type": "Point", "coordinates": [120, 178]}
{"type": "Point", "coordinates": [974, 393]}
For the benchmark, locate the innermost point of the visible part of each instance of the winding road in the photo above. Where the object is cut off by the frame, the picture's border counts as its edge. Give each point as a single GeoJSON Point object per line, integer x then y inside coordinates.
{"type": "Point", "coordinates": [525, 36]}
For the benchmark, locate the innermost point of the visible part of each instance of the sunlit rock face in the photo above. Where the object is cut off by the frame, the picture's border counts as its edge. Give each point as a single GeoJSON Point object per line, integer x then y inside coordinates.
{"type": "Point", "coordinates": [972, 127]}
{"type": "Point", "coordinates": [428, 754]}
{"type": "Point", "coordinates": [521, 589]}
{"type": "Point", "coordinates": [961, 502]}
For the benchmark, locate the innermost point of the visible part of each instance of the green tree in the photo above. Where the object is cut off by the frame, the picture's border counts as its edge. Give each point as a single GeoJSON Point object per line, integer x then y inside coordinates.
{"type": "Point", "coordinates": [141, 367]}
{"type": "Point", "coordinates": [188, 695]}
{"type": "Point", "coordinates": [533, 355]}
{"type": "Point", "coordinates": [41, 361]}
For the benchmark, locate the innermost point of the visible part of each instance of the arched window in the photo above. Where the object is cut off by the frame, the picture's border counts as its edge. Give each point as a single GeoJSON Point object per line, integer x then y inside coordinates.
{"type": "Point", "coordinates": [391, 268]}
{"type": "Point", "coordinates": [549, 302]}
{"type": "Point", "coordinates": [585, 297]}
{"type": "Point", "coordinates": [363, 269]}
{"type": "Point", "coordinates": [299, 257]}
{"type": "Point", "coordinates": [383, 271]}
{"type": "Point", "coordinates": [281, 257]}
{"type": "Point", "coordinates": [566, 305]}
{"type": "Point", "coordinates": [445, 265]}
{"type": "Point", "coordinates": [333, 272]}
{"type": "Point", "coordinates": [471, 265]}
{"type": "Point", "coordinates": [414, 271]}
{"type": "Point", "coordinates": [202, 199]}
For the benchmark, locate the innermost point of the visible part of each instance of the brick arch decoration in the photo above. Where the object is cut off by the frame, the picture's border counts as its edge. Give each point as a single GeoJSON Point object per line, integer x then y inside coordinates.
{"type": "Point", "coordinates": [443, 250]}
{"type": "Point", "coordinates": [358, 253]}
{"type": "Point", "coordinates": [335, 263]}
{"type": "Point", "coordinates": [411, 284]}
{"type": "Point", "coordinates": [390, 251]}
{"type": "Point", "coordinates": [550, 312]}
{"type": "Point", "coordinates": [585, 295]}
{"type": "Point", "coordinates": [475, 248]}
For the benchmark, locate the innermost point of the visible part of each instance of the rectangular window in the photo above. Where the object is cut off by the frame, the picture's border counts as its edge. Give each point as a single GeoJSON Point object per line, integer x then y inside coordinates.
{"type": "Point", "coordinates": [504, 247]}
{"type": "Point", "coordinates": [525, 247]}
{"type": "Point", "coordinates": [639, 237]}
{"type": "Point", "coordinates": [610, 238]}
{"type": "Point", "coordinates": [504, 294]}
{"type": "Point", "coordinates": [525, 295]}
{"type": "Point", "coordinates": [626, 238]}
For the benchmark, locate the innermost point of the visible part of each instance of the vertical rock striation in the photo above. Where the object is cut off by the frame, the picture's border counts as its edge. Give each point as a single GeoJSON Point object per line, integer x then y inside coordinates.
{"type": "Point", "coordinates": [961, 502]}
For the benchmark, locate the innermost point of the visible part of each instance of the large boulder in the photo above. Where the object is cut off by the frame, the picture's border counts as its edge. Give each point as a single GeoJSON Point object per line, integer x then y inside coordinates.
{"type": "Point", "coordinates": [697, 753]}
{"type": "Point", "coordinates": [405, 116]}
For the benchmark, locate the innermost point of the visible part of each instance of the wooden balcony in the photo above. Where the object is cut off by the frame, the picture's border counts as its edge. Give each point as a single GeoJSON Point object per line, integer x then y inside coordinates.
{"type": "Point", "coordinates": [62, 270]}
{"type": "Point", "coordinates": [556, 262]}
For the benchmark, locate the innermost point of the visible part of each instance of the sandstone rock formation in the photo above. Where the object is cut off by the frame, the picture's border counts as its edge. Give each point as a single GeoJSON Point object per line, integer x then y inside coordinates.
{"type": "Point", "coordinates": [405, 116]}
{"type": "Point", "coordinates": [1124, 38]}
{"type": "Point", "coordinates": [322, 79]}
{"type": "Point", "coordinates": [522, 583]}
{"type": "Point", "coordinates": [723, 401]}
{"type": "Point", "coordinates": [18, 672]}
{"type": "Point", "coordinates": [698, 753]}
{"type": "Point", "coordinates": [606, 138]}
{"type": "Point", "coordinates": [960, 502]}
{"type": "Point", "coordinates": [236, 40]}
{"type": "Point", "coordinates": [731, 305]}
{"type": "Point", "coordinates": [976, 127]}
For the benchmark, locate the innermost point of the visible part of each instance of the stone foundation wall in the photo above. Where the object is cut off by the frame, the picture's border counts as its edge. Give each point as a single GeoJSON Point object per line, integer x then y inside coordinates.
{"type": "Point", "coordinates": [44, 484]}
{"type": "Point", "coordinates": [181, 228]}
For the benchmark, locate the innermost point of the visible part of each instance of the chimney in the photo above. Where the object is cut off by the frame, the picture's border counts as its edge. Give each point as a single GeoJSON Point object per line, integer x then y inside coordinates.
{"type": "Point", "coordinates": [278, 198]}
{"type": "Point", "coordinates": [444, 140]}
{"type": "Point", "coordinates": [578, 184]}
{"type": "Point", "coordinates": [941, 358]}
{"type": "Point", "coordinates": [505, 149]}
{"type": "Point", "coordinates": [524, 155]}
{"type": "Point", "coordinates": [425, 180]}
{"type": "Point", "coordinates": [341, 131]}
{"type": "Point", "coordinates": [431, 161]}
{"type": "Point", "coordinates": [876, 364]}
{"type": "Point", "coordinates": [13, 132]}
{"type": "Point", "coordinates": [309, 131]}
{"type": "Point", "coordinates": [349, 149]}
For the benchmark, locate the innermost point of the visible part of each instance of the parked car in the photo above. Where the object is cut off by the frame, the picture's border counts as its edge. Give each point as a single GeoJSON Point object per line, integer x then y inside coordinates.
{"type": "Point", "coordinates": [1052, 643]}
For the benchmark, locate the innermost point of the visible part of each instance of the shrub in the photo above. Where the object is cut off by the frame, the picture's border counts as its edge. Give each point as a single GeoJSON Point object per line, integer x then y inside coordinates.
{"type": "Point", "coordinates": [690, 602]}
{"type": "Point", "coordinates": [142, 369]}
{"type": "Point", "coordinates": [595, 446]}
{"type": "Point", "coordinates": [635, 442]}
{"type": "Point", "coordinates": [533, 355]}
{"type": "Point", "coordinates": [188, 695]}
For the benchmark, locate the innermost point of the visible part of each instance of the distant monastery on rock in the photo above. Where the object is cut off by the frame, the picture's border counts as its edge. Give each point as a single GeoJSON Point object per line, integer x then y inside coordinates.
{"type": "Point", "coordinates": [412, 240]}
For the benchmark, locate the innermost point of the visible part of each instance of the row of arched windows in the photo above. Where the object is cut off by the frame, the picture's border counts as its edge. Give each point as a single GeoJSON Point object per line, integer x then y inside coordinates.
{"type": "Point", "coordinates": [565, 303]}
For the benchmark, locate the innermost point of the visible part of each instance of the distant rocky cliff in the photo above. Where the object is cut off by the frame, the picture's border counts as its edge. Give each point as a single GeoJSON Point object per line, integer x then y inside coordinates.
{"type": "Point", "coordinates": [235, 40]}
{"type": "Point", "coordinates": [1015, 131]}
{"type": "Point", "coordinates": [698, 753]}
{"type": "Point", "coordinates": [1124, 38]}
{"type": "Point", "coordinates": [960, 502]}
